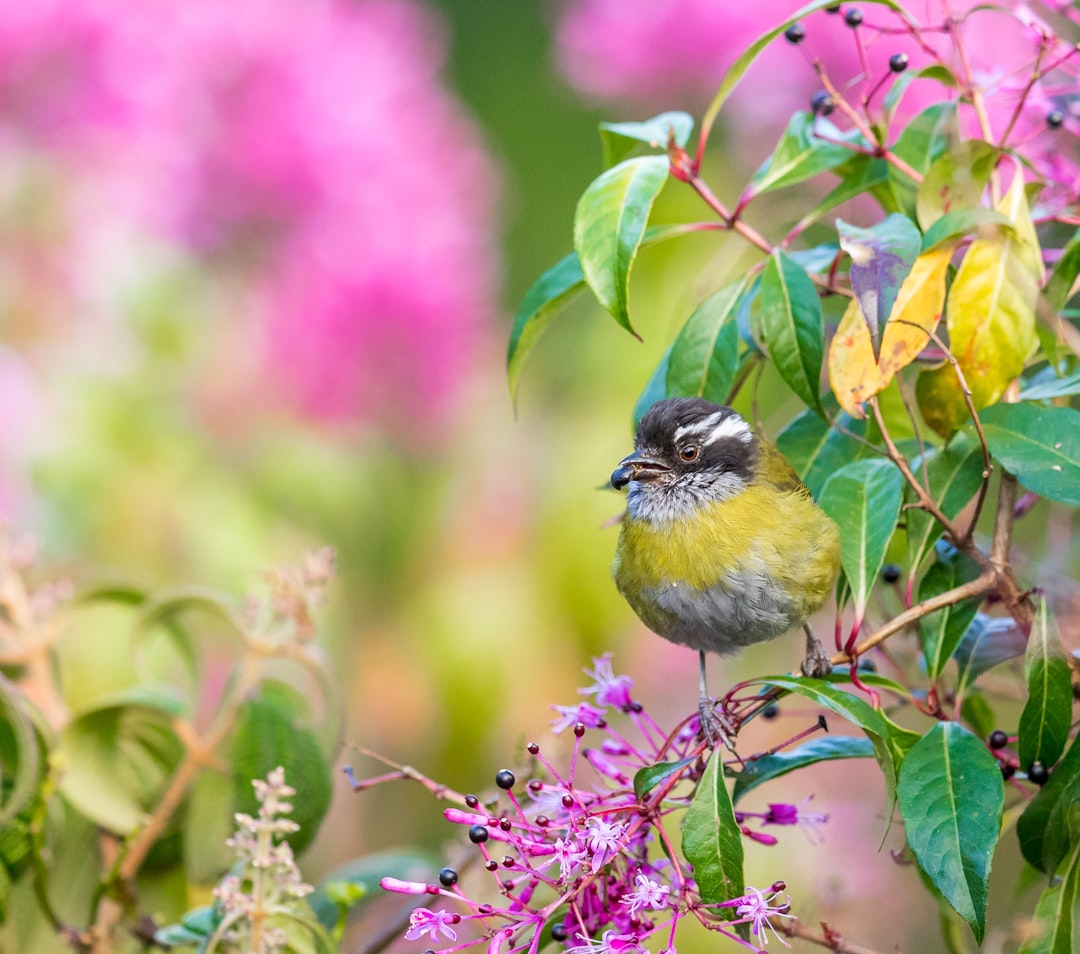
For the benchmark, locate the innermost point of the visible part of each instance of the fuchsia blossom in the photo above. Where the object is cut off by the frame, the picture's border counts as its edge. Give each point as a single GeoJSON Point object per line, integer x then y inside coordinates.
{"type": "Point", "coordinates": [648, 894]}
{"type": "Point", "coordinates": [607, 688]}
{"type": "Point", "coordinates": [423, 922]}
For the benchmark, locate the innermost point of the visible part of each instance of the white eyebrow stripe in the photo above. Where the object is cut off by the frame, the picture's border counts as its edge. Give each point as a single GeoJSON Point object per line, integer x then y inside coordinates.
{"type": "Point", "coordinates": [731, 426]}
{"type": "Point", "coordinates": [699, 428]}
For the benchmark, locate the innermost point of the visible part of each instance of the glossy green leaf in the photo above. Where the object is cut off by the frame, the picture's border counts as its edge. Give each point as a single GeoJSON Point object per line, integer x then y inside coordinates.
{"type": "Point", "coordinates": [792, 324]}
{"type": "Point", "coordinates": [951, 796]}
{"type": "Point", "coordinates": [800, 154]}
{"type": "Point", "coordinates": [711, 839]}
{"type": "Point", "coordinates": [817, 450]}
{"type": "Point", "coordinates": [1039, 445]}
{"type": "Point", "coordinates": [1054, 930]}
{"type": "Point", "coordinates": [845, 704]}
{"type": "Point", "coordinates": [619, 139]}
{"type": "Point", "coordinates": [859, 174]}
{"type": "Point", "coordinates": [1047, 828]}
{"type": "Point", "coordinates": [649, 777]}
{"type": "Point", "coordinates": [824, 749]}
{"type": "Point", "coordinates": [955, 225]}
{"type": "Point", "coordinates": [922, 142]}
{"type": "Point", "coordinates": [954, 474]}
{"type": "Point", "coordinates": [1045, 387]}
{"type": "Point", "coordinates": [1044, 723]}
{"type": "Point", "coordinates": [988, 642]}
{"type": "Point", "coordinates": [705, 354]}
{"type": "Point", "coordinates": [941, 632]}
{"type": "Point", "coordinates": [551, 290]}
{"type": "Point", "coordinates": [738, 69]}
{"type": "Point", "coordinates": [881, 258]}
{"type": "Point", "coordinates": [864, 499]}
{"type": "Point", "coordinates": [609, 224]}
{"type": "Point", "coordinates": [117, 761]}
{"type": "Point", "coordinates": [955, 181]}
{"type": "Point", "coordinates": [1059, 285]}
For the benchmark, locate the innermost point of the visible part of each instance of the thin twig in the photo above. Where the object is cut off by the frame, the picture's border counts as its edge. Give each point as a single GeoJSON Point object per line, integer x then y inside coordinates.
{"type": "Point", "coordinates": [828, 939]}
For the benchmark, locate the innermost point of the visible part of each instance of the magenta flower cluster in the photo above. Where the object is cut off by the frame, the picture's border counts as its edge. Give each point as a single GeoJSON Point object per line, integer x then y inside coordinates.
{"type": "Point", "coordinates": [579, 854]}
{"type": "Point", "coordinates": [305, 157]}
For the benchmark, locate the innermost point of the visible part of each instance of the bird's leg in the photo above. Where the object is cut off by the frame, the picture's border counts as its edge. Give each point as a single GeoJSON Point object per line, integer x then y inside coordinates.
{"type": "Point", "coordinates": [715, 726]}
{"type": "Point", "coordinates": [817, 664]}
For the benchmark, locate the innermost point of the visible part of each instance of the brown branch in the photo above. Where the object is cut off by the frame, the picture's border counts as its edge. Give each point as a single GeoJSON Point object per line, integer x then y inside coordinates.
{"type": "Point", "coordinates": [829, 939]}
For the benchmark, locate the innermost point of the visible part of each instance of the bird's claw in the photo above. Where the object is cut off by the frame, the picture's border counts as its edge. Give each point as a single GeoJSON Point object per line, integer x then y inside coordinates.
{"type": "Point", "coordinates": [817, 664]}
{"type": "Point", "coordinates": [716, 724]}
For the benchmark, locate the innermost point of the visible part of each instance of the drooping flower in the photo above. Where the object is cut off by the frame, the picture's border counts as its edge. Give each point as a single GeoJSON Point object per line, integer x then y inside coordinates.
{"type": "Point", "coordinates": [757, 909]}
{"type": "Point", "coordinates": [424, 921]}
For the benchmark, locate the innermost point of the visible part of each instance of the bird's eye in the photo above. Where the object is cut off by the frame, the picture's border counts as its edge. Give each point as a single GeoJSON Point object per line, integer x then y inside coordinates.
{"type": "Point", "coordinates": [690, 452]}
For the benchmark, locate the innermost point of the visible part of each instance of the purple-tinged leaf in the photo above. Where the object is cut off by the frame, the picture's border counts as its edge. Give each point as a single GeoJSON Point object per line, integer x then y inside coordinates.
{"type": "Point", "coordinates": [881, 257]}
{"type": "Point", "coordinates": [988, 642]}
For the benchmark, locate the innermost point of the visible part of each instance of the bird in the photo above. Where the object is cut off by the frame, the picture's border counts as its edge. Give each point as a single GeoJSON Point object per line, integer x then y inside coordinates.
{"type": "Point", "coordinates": [721, 545]}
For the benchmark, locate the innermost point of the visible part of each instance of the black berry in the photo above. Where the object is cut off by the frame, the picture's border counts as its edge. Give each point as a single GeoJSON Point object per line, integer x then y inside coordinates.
{"type": "Point", "coordinates": [771, 711]}
{"type": "Point", "coordinates": [866, 664]}
{"type": "Point", "coordinates": [448, 877]}
{"type": "Point", "coordinates": [898, 62]}
{"type": "Point", "coordinates": [472, 801]}
{"type": "Point", "coordinates": [1055, 118]}
{"type": "Point", "coordinates": [822, 103]}
{"type": "Point", "coordinates": [478, 834]}
{"type": "Point", "coordinates": [998, 739]}
{"type": "Point", "coordinates": [795, 33]}
{"type": "Point", "coordinates": [1007, 769]}
{"type": "Point", "coordinates": [1038, 773]}
{"type": "Point", "coordinates": [558, 932]}
{"type": "Point", "coordinates": [853, 17]}
{"type": "Point", "coordinates": [890, 572]}
{"type": "Point", "coordinates": [505, 780]}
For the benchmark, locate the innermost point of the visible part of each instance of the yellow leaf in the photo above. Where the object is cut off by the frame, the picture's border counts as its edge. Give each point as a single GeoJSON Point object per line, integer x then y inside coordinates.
{"type": "Point", "coordinates": [991, 315]}
{"type": "Point", "coordinates": [854, 373]}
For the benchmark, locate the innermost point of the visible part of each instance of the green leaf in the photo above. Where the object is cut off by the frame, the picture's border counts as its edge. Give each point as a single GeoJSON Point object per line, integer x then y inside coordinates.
{"type": "Point", "coordinates": [978, 714]}
{"type": "Point", "coordinates": [817, 450]}
{"type": "Point", "coordinates": [1044, 723]}
{"type": "Point", "coordinates": [618, 139]}
{"type": "Point", "coordinates": [942, 631]}
{"type": "Point", "coordinates": [1039, 445]}
{"type": "Point", "coordinates": [792, 325]}
{"type": "Point", "coordinates": [1060, 283]}
{"type": "Point", "coordinates": [954, 474]}
{"type": "Point", "coordinates": [738, 69]}
{"type": "Point", "coordinates": [712, 841]}
{"type": "Point", "coordinates": [845, 704]}
{"type": "Point", "coordinates": [988, 642]}
{"type": "Point", "coordinates": [1055, 915]}
{"type": "Point", "coordinates": [823, 749]}
{"type": "Point", "coordinates": [881, 258]}
{"type": "Point", "coordinates": [554, 288]}
{"type": "Point", "coordinates": [117, 761]}
{"type": "Point", "coordinates": [1046, 829]}
{"type": "Point", "coordinates": [801, 154]}
{"type": "Point", "coordinates": [705, 354]}
{"type": "Point", "coordinates": [864, 499]}
{"type": "Point", "coordinates": [1045, 387]}
{"type": "Point", "coordinates": [649, 777]}
{"type": "Point", "coordinates": [922, 142]}
{"type": "Point", "coordinates": [20, 755]}
{"type": "Point", "coordinates": [861, 173]}
{"type": "Point", "coordinates": [951, 795]}
{"type": "Point", "coordinates": [609, 225]}
{"type": "Point", "coordinates": [208, 822]}
{"type": "Point", "coordinates": [953, 225]}
{"type": "Point", "coordinates": [268, 734]}
{"type": "Point", "coordinates": [955, 181]}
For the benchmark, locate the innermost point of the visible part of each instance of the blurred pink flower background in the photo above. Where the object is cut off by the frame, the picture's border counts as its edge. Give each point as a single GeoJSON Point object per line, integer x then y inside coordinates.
{"type": "Point", "coordinates": [305, 158]}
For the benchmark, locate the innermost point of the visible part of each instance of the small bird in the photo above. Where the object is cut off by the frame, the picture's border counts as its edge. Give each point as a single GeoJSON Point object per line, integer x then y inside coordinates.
{"type": "Point", "coordinates": [721, 545]}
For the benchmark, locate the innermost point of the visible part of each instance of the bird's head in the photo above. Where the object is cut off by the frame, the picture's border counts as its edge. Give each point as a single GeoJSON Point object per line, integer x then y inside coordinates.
{"type": "Point", "coordinates": [688, 453]}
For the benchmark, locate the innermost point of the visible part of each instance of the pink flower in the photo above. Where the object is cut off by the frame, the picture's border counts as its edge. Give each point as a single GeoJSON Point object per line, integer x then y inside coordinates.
{"type": "Point", "coordinates": [648, 894]}
{"type": "Point", "coordinates": [587, 715]}
{"type": "Point", "coordinates": [431, 923]}
{"type": "Point", "coordinates": [607, 688]}
{"type": "Point", "coordinates": [758, 908]}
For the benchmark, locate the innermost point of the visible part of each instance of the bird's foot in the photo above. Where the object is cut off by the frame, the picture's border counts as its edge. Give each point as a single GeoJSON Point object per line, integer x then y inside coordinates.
{"type": "Point", "coordinates": [817, 664]}
{"type": "Point", "coordinates": [716, 724]}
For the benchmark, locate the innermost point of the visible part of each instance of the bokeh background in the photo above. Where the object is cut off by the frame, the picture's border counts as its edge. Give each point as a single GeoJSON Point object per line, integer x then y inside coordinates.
{"type": "Point", "coordinates": [258, 265]}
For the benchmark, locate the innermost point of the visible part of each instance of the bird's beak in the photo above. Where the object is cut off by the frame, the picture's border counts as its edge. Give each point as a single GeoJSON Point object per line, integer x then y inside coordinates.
{"type": "Point", "coordinates": [637, 467]}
